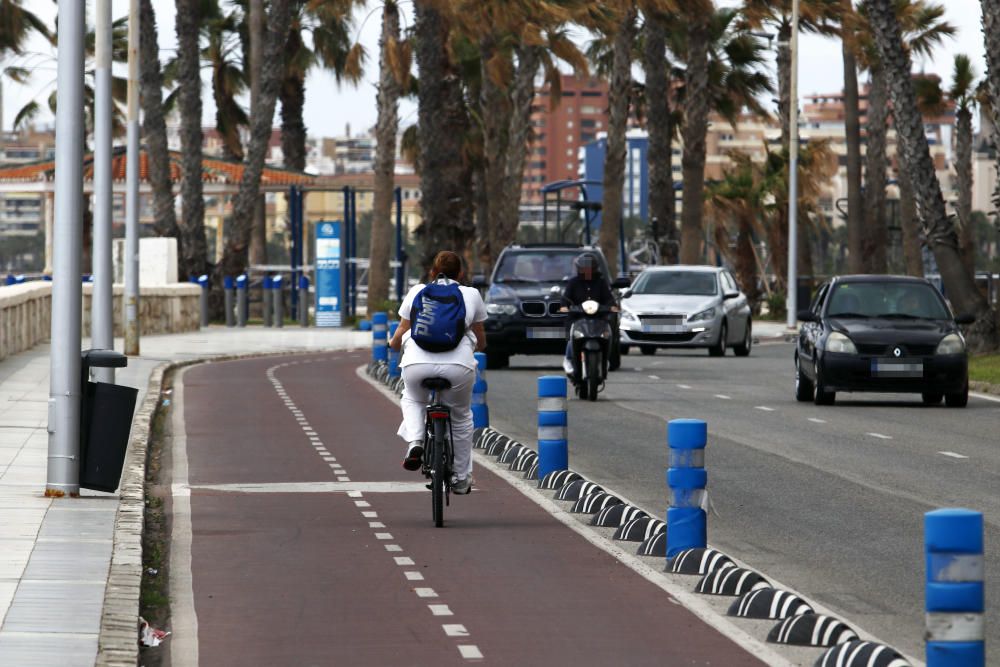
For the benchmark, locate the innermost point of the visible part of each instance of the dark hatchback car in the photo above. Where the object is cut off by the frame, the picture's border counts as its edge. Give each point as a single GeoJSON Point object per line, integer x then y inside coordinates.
{"type": "Point", "coordinates": [524, 297]}
{"type": "Point", "coordinates": [892, 334]}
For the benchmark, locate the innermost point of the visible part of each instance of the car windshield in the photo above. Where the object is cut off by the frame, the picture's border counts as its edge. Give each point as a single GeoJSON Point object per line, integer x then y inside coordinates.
{"type": "Point", "coordinates": [689, 283]}
{"type": "Point", "coordinates": [536, 267]}
{"type": "Point", "coordinates": [887, 299]}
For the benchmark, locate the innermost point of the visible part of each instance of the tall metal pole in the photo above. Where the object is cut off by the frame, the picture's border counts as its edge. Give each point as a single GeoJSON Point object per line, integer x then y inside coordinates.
{"type": "Point", "coordinates": [132, 188]}
{"type": "Point", "coordinates": [63, 474]}
{"type": "Point", "coordinates": [101, 319]}
{"type": "Point", "coordinates": [793, 175]}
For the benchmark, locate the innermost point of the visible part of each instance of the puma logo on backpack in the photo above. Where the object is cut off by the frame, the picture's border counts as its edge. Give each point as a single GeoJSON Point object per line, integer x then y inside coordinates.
{"type": "Point", "coordinates": [438, 317]}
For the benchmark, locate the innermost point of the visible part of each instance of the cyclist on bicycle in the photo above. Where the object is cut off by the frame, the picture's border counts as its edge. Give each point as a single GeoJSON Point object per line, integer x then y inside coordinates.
{"type": "Point", "coordinates": [458, 366]}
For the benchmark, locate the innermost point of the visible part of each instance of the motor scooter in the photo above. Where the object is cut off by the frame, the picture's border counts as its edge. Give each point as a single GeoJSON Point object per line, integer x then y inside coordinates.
{"type": "Point", "coordinates": [590, 337]}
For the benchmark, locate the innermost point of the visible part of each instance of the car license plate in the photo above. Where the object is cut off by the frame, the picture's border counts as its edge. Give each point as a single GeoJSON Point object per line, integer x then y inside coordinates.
{"type": "Point", "coordinates": [661, 328]}
{"type": "Point", "coordinates": [546, 332]}
{"type": "Point", "coordinates": [897, 368]}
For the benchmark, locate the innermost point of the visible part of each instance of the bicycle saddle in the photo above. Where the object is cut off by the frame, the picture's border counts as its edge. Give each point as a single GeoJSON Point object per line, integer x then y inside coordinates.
{"type": "Point", "coordinates": [436, 384]}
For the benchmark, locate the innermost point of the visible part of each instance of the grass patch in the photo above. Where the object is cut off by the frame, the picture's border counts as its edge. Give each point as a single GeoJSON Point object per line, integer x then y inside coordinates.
{"type": "Point", "coordinates": [985, 368]}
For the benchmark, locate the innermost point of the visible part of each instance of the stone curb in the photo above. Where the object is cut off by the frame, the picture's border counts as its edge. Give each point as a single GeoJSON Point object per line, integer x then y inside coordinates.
{"type": "Point", "coordinates": [118, 641]}
{"type": "Point", "coordinates": [984, 387]}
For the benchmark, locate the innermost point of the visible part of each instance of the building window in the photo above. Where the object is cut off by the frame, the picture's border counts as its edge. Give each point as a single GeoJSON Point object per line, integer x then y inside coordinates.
{"type": "Point", "coordinates": [569, 125]}
{"type": "Point", "coordinates": [586, 137]}
{"type": "Point", "coordinates": [590, 93]}
{"type": "Point", "coordinates": [541, 150]}
{"type": "Point", "coordinates": [569, 93]}
{"type": "Point", "coordinates": [589, 109]}
{"type": "Point", "coordinates": [537, 164]}
{"type": "Point", "coordinates": [587, 122]}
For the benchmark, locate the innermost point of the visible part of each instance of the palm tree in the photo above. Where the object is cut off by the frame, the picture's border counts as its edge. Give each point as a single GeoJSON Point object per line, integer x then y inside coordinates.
{"type": "Point", "coordinates": [963, 94]}
{"type": "Point", "coordinates": [991, 31]}
{"type": "Point", "coordinates": [852, 137]}
{"type": "Point", "coordinates": [228, 77]}
{"type": "Point", "coordinates": [938, 227]}
{"type": "Point", "coordinates": [154, 124]}
{"type": "Point", "coordinates": [16, 26]}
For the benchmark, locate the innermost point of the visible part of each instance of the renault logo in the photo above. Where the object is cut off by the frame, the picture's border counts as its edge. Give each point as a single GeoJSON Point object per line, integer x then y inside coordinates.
{"type": "Point", "coordinates": [896, 352]}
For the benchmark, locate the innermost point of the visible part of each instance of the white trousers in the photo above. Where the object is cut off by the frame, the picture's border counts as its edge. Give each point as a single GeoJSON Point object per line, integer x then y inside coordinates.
{"type": "Point", "coordinates": [458, 398]}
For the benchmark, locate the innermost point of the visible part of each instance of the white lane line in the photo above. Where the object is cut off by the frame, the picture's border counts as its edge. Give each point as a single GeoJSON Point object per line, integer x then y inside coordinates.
{"type": "Point", "coordinates": [376, 524]}
{"type": "Point", "coordinates": [764, 408]}
{"type": "Point", "coordinates": [954, 455]}
{"type": "Point", "coordinates": [993, 399]}
{"type": "Point", "coordinates": [393, 547]}
{"type": "Point", "coordinates": [425, 592]}
{"type": "Point", "coordinates": [683, 386]}
{"type": "Point", "coordinates": [370, 515]}
{"type": "Point", "coordinates": [414, 576]}
{"type": "Point", "coordinates": [440, 610]}
{"type": "Point", "coordinates": [362, 503]}
{"type": "Point", "coordinates": [880, 436]}
{"type": "Point", "coordinates": [455, 630]}
{"type": "Point", "coordinates": [329, 457]}
{"type": "Point", "coordinates": [470, 651]}
{"type": "Point", "coordinates": [185, 617]}
{"type": "Point", "coordinates": [653, 377]}
{"type": "Point", "coordinates": [724, 397]}
{"type": "Point", "coordinates": [343, 478]}
{"type": "Point", "coordinates": [817, 420]}
{"type": "Point", "coordinates": [403, 560]}
{"type": "Point", "coordinates": [383, 536]}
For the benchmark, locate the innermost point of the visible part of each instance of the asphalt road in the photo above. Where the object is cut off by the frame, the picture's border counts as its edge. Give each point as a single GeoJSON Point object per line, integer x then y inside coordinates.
{"type": "Point", "coordinates": [827, 500]}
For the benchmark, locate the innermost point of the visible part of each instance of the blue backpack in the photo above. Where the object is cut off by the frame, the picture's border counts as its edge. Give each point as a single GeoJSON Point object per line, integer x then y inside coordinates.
{"type": "Point", "coordinates": [437, 317]}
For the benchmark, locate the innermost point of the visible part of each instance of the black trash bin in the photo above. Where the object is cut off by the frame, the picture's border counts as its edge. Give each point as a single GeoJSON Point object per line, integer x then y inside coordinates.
{"type": "Point", "coordinates": [105, 422]}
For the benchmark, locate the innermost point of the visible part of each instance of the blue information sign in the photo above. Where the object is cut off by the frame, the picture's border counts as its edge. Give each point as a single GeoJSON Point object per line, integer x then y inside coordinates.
{"type": "Point", "coordinates": [328, 286]}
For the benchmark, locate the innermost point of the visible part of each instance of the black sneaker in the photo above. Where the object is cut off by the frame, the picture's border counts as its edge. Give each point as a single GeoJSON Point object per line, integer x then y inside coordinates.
{"type": "Point", "coordinates": [414, 458]}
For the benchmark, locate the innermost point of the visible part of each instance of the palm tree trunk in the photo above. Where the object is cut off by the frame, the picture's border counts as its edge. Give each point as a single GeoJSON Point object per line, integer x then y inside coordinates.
{"type": "Point", "coordinates": [446, 183]}
{"type": "Point", "coordinates": [746, 260]}
{"type": "Point", "coordinates": [938, 228]}
{"type": "Point", "coordinates": [991, 32]}
{"type": "Point", "coordinates": [874, 239]}
{"type": "Point", "coordinates": [293, 100]}
{"type": "Point", "coordinates": [695, 129]}
{"type": "Point", "coordinates": [784, 65]}
{"type": "Point", "coordinates": [658, 111]}
{"type": "Point", "coordinates": [852, 130]}
{"type": "Point", "coordinates": [234, 258]}
{"type": "Point", "coordinates": [155, 126]}
{"type": "Point", "coordinates": [194, 248]}
{"type": "Point", "coordinates": [913, 258]}
{"type": "Point", "coordinates": [614, 162]}
{"type": "Point", "coordinates": [386, 129]}
{"type": "Point", "coordinates": [495, 113]}
{"type": "Point", "coordinates": [963, 173]}
{"type": "Point", "coordinates": [226, 113]}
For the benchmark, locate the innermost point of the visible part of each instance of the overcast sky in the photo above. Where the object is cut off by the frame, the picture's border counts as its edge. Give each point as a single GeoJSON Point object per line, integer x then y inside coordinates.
{"type": "Point", "coordinates": [329, 107]}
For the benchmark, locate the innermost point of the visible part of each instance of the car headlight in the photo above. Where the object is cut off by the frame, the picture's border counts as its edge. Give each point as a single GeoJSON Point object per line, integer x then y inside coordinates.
{"type": "Point", "coordinates": [500, 309]}
{"type": "Point", "coordinates": [951, 344]}
{"type": "Point", "coordinates": [629, 316]}
{"type": "Point", "coordinates": [706, 314]}
{"type": "Point", "coordinates": [838, 342]}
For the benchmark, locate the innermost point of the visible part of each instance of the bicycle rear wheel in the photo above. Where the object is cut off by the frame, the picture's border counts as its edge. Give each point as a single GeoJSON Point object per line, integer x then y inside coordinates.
{"type": "Point", "coordinates": [438, 472]}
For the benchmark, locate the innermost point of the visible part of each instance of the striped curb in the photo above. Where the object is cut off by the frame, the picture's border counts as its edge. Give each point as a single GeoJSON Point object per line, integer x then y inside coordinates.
{"type": "Point", "coordinates": [617, 516]}
{"type": "Point", "coordinates": [771, 604]}
{"type": "Point", "coordinates": [641, 529]}
{"type": "Point", "coordinates": [595, 502]}
{"type": "Point", "coordinates": [861, 654]}
{"type": "Point", "coordinates": [698, 561]}
{"type": "Point", "coordinates": [812, 630]}
{"type": "Point", "coordinates": [732, 581]}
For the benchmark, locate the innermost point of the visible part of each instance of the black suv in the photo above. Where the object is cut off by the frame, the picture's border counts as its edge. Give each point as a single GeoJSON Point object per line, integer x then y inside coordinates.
{"type": "Point", "coordinates": [524, 298]}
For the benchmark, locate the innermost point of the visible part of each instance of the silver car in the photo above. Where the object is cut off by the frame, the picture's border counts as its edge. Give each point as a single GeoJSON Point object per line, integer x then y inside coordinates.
{"type": "Point", "coordinates": [686, 306]}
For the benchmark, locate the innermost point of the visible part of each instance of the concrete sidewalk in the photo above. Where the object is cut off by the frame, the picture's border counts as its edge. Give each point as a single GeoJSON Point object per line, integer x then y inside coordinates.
{"type": "Point", "coordinates": [55, 554]}
{"type": "Point", "coordinates": [767, 331]}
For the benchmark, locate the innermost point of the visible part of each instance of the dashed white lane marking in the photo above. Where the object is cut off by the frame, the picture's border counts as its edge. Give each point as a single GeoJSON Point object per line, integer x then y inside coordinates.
{"type": "Point", "coordinates": [724, 397]}
{"type": "Point", "coordinates": [343, 478]}
{"type": "Point", "coordinates": [393, 547]}
{"type": "Point", "coordinates": [683, 386]}
{"type": "Point", "coordinates": [440, 610]}
{"type": "Point", "coordinates": [954, 455]}
{"type": "Point", "coordinates": [455, 630]}
{"type": "Point", "coordinates": [331, 457]}
{"type": "Point", "coordinates": [470, 651]}
{"type": "Point", "coordinates": [425, 592]}
{"type": "Point", "coordinates": [362, 503]}
{"type": "Point", "coordinates": [763, 408]}
{"type": "Point", "coordinates": [376, 524]}
{"type": "Point", "coordinates": [654, 377]}
{"type": "Point", "coordinates": [403, 560]}
{"type": "Point", "coordinates": [880, 436]}
{"type": "Point", "coordinates": [817, 420]}
{"type": "Point", "coordinates": [370, 515]}
{"type": "Point", "coordinates": [354, 494]}
{"type": "Point", "coordinates": [414, 576]}
{"type": "Point", "coordinates": [383, 536]}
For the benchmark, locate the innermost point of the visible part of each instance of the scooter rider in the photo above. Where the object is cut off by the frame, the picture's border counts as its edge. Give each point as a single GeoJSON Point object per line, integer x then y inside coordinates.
{"type": "Point", "coordinates": [587, 285]}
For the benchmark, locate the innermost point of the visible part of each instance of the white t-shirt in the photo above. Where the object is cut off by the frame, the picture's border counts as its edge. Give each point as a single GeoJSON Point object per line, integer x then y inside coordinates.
{"type": "Point", "coordinates": [475, 311]}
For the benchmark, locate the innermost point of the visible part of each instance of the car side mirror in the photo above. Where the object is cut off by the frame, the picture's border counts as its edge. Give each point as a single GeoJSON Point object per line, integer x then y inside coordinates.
{"type": "Point", "coordinates": [730, 295]}
{"type": "Point", "coordinates": [622, 282]}
{"type": "Point", "coordinates": [627, 293]}
{"type": "Point", "coordinates": [807, 316]}
{"type": "Point", "coordinates": [480, 282]}
{"type": "Point", "coordinates": [965, 319]}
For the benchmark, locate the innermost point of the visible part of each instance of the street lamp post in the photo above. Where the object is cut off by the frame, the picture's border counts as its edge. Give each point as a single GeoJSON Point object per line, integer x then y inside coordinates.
{"type": "Point", "coordinates": [793, 174]}
{"type": "Point", "coordinates": [101, 320]}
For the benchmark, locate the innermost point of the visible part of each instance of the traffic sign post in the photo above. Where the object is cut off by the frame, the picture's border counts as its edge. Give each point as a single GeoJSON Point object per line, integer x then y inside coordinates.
{"type": "Point", "coordinates": [328, 275]}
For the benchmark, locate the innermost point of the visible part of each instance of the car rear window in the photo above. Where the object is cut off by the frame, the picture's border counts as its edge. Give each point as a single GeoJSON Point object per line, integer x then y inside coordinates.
{"type": "Point", "coordinates": [551, 266]}
{"type": "Point", "coordinates": [892, 300]}
{"type": "Point", "coordinates": [691, 283]}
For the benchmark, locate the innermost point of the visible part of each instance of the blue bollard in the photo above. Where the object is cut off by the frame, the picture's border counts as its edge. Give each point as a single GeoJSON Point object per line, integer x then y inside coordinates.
{"type": "Point", "coordinates": [203, 283]}
{"type": "Point", "coordinates": [229, 290]}
{"type": "Point", "coordinates": [365, 325]}
{"type": "Point", "coordinates": [553, 447]}
{"type": "Point", "coordinates": [303, 301]}
{"type": "Point", "coordinates": [480, 410]}
{"type": "Point", "coordinates": [393, 354]}
{"type": "Point", "coordinates": [242, 300]}
{"type": "Point", "coordinates": [686, 479]}
{"type": "Point", "coordinates": [10, 279]}
{"type": "Point", "coordinates": [19, 279]}
{"type": "Point", "coordinates": [265, 299]}
{"type": "Point", "coordinates": [380, 326]}
{"type": "Point", "coordinates": [954, 598]}
{"type": "Point", "coordinates": [278, 301]}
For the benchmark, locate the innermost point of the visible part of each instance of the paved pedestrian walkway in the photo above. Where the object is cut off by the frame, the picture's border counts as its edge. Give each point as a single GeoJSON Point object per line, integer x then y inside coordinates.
{"type": "Point", "coordinates": [55, 553]}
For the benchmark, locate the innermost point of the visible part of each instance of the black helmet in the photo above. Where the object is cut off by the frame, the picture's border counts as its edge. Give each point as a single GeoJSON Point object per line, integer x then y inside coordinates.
{"type": "Point", "coordinates": [587, 262]}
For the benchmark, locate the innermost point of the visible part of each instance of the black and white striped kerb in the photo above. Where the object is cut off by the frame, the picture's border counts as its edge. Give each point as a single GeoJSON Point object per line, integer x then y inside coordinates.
{"type": "Point", "coordinates": [655, 545]}
{"type": "Point", "coordinates": [500, 446]}
{"type": "Point", "coordinates": [532, 472]}
{"type": "Point", "coordinates": [811, 630]}
{"type": "Point", "coordinates": [557, 479]}
{"type": "Point", "coordinates": [770, 604]}
{"type": "Point", "coordinates": [733, 581]}
{"type": "Point", "coordinates": [478, 435]}
{"type": "Point", "coordinates": [617, 516]}
{"type": "Point", "coordinates": [639, 529]}
{"type": "Point", "coordinates": [525, 459]}
{"type": "Point", "coordinates": [510, 454]}
{"type": "Point", "coordinates": [698, 561]}
{"type": "Point", "coordinates": [486, 437]}
{"type": "Point", "coordinates": [577, 489]}
{"type": "Point", "coordinates": [861, 654]}
{"type": "Point", "coordinates": [594, 502]}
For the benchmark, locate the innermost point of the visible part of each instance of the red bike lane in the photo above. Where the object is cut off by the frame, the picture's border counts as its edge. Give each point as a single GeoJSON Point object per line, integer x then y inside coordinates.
{"type": "Point", "coordinates": [312, 546]}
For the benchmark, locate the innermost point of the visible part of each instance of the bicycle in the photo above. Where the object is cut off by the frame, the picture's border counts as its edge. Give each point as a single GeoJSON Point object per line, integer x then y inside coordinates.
{"type": "Point", "coordinates": [439, 455]}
